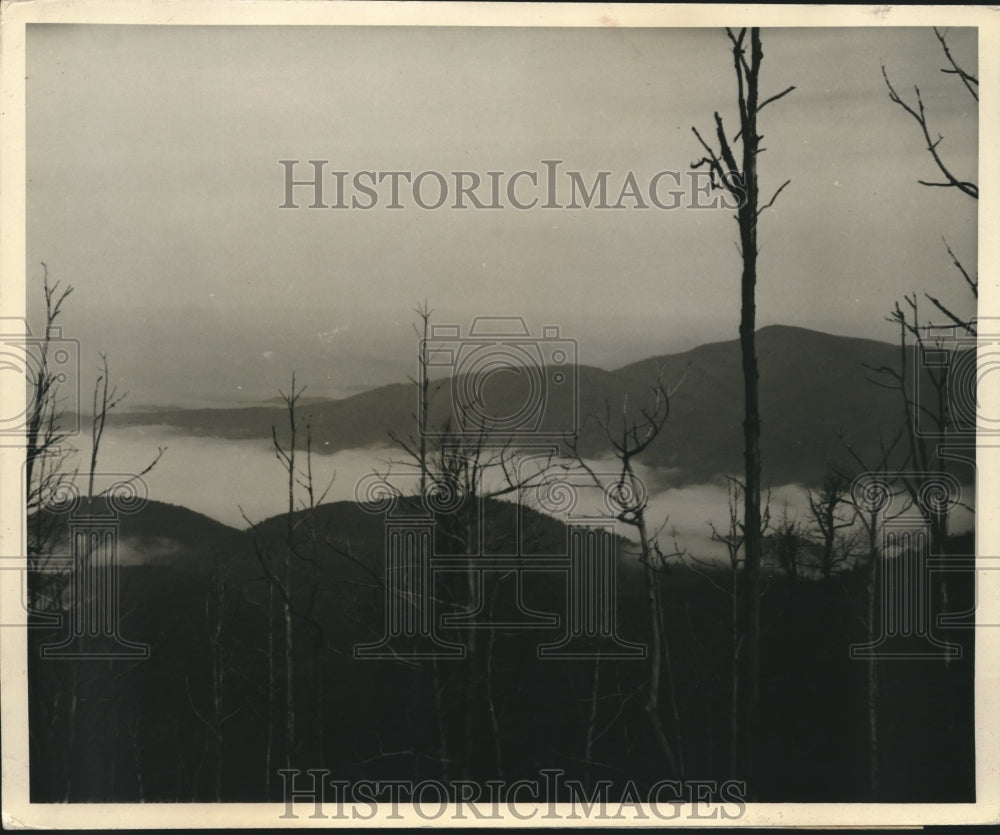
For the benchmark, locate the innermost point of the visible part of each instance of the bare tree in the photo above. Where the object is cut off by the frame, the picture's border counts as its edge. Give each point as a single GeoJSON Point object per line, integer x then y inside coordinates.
{"type": "Point", "coordinates": [106, 398]}
{"type": "Point", "coordinates": [918, 113]}
{"type": "Point", "coordinates": [870, 497]}
{"type": "Point", "coordinates": [928, 411]}
{"type": "Point", "coordinates": [47, 457]}
{"type": "Point", "coordinates": [833, 518]}
{"type": "Point", "coordinates": [470, 471]}
{"type": "Point", "coordinates": [733, 538]}
{"type": "Point", "coordinates": [739, 180]}
{"type": "Point", "coordinates": [462, 466]}
{"type": "Point", "coordinates": [49, 475]}
{"type": "Point", "coordinates": [287, 457]}
{"type": "Point", "coordinates": [934, 401]}
{"type": "Point", "coordinates": [786, 548]}
{"type": "Point", "coordinates": [629, 435]}
{"type": "Point", "coordinates": [220, 598]}
{"type": "Point", "coordinates": [48, 471]}
{"type": "Point", "coordinates": [300, 545]}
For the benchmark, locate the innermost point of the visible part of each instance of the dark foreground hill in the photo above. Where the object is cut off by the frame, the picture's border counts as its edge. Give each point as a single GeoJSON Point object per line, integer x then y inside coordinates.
{"type": "Point", "coordinates": [158, 532]}
{"type": "Point", "coordinates": [205, 716]}
{"type": "Point", "coordinates": [814, 388]}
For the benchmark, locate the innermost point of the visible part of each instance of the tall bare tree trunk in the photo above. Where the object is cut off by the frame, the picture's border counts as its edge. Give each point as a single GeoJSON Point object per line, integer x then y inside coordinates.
{"type": "Point", "coordinates": [734, 671]}
{"type": "Point", "coordinates": [740, 181]}
{"type": "Point", "coordinates": [444, 749]}
{"type": "Point", "coordinates": [71, 758]}
{"type": "Point", "coordinates": [289, 688]}
{"type": "Point", "coordinates": [751, 420]}
{"type": "Point", "coordinates": [287, 609]}
{"type": "Point", "coordinates": [271, 679]}
{"type": "Point", "coordinates": [588, 749]}
{"type": "Point", "coordinates": [873, 632]}
{"type": "Point", "coordinates": [657, 653]}
{"type": "Point", "coordinates": [218, 682]}
{"type": "Point", "coordinates": [492, 706]}
{"type": "Point", "coordinates": [320, 713]}
{"type": "Point", "coordinates": [133, 727]}
{"type": "Point", "coordinates": [112, 782]}
{"type": "Point", "coordinates": [472, 667]}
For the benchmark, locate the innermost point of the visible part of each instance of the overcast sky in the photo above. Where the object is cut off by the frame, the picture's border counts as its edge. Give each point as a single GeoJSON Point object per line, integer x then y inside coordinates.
{"type": "Point", "coordinates": [154, 187]}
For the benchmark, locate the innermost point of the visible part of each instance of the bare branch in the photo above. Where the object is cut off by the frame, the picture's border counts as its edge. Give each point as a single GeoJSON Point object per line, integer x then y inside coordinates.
{"type": "Point", "coordinates": [973, 283]}
{"type": "Point", "coordinates": [775, 97]}
{"type": "Point", "coordinates": [770, 202]}
{"type": "Point", "coordinates": [967, 325]}
{"type": "Point", "coordinates": [920, 117]}
{"type": "Point", "coordinates": [967, 78]}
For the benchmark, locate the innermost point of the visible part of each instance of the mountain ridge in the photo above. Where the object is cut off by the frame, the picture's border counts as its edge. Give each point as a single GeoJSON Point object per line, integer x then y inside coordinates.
{"type": "Point", "coordinates": [814, 388]}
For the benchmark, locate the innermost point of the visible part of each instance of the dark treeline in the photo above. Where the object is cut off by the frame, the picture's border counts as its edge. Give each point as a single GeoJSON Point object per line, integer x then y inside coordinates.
{"type": "Point", "coordinates": [192, 722]}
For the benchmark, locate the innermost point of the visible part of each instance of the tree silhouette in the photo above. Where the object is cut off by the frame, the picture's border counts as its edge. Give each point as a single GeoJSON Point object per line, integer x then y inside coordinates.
{"type": "Point", "coordinates": [739, 179]}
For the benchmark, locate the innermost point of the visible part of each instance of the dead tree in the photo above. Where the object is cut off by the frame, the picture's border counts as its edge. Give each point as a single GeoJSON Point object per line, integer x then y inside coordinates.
{"type": "Point", "coordinates": [927, 393]}
{"type": "Point", "coordinates": [462, 466]}
{"type": "Point", "coordinates": [939, 406]}
{"type": "Point", "coordinates": [870, 497]}
{"type": "Point", "coordinates": [416, 448]}
{"type": "Point", "coordinates": [300, 544]}
{"type": "Point", "coordinates": [467, 472]}
{"type": "Point", "coordinates": [287, 457]}
{"type": "Point", "coordinates": [733, 538]}
{"type": "Point", "coordinates": [739, 180]}
{"type": "Point", "coordinates": [786, 547]}
{"type": "Point", "coordinates": [833, 517]}
{"type": "Point", "coordinates": [919, 115]}
{"type": "Point", "coordinates": [219, 603]}
{"type": "Point", "coordinates": [629, 436]}
{"type": "Point", "coordinates": [48, 454]}
{"type": "Point", "coordinates": [48, 472]}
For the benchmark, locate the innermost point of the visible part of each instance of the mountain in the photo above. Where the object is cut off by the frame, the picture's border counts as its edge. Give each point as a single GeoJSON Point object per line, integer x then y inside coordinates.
{"type": "Point", "coordinates": [160, 533]}
{"type": "Point", "coordinates": [174, 536]}
{"type": "Point", "coordinates": [813, 389]}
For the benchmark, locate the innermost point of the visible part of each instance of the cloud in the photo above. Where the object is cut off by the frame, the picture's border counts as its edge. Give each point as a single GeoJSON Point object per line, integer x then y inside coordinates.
{"type": "Point", "coordinates": [244, 473]}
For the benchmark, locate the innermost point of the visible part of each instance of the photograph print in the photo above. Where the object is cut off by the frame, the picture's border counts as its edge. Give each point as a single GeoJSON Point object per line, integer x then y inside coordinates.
{"type": "Point", "coordinates": [572, 421]}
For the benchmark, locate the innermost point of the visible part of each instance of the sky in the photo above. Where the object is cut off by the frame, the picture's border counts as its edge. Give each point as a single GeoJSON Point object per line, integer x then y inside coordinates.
{"type": "Point", "coordinates": [155, 184]}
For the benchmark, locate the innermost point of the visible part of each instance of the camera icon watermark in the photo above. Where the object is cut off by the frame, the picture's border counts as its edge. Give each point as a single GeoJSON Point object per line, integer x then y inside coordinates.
{"type": "Point", "coordinates": [414, 566]}
{"type": "Point", "coordinates": [950, 368]}
{"type": "Point", "coordinates": [47, 369]}
{"type": "Point", "coordinates": [504, 380]}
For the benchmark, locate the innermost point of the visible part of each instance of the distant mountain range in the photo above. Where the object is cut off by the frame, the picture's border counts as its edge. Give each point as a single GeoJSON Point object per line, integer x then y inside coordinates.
{"type": "Point", "coordinates": [350, 540]}
{"type": "Point", "coordinates": [814, 388]}
{"type": "Point", "coordinates": [177, 537]}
